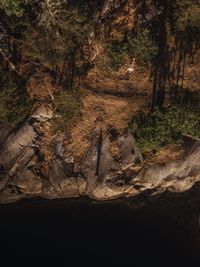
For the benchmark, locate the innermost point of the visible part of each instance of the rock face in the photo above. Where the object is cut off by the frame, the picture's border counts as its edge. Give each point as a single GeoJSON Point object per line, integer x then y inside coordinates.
{"type": "Point", "coordinates": [177, 176]}
{"type": "Point", "coordinates": [111, 168]}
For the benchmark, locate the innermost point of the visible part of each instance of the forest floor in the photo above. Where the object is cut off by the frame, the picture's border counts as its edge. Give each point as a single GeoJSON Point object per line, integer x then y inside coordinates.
{"type": "Point", "coordinates": [108, 103]}
{"type": "Point", "coordinates": [112, 102]}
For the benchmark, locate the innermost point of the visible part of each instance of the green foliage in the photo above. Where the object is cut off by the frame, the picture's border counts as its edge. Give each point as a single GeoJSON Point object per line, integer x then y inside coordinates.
{"type": "Point", "coordinates": [68, 109]}
{"type": "Point", "coordinates": [12, 7]}
{"type": "Point", "coordinates": [59, 44]}
{"type": "Point", "coordinates": [116, 52]}
{"type": "Point", "coordinates": [187, 17]}
{"type": "Point", "coordinates": [14, 103]}
{"type": "Point", "coordinates": [166, 126]}
{"type": "Point", "coordinates": [142, 47]}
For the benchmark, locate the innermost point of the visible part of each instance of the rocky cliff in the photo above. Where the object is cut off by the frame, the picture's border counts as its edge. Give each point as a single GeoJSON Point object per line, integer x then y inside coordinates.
{"type": "Point", "coordinates": [111, 168]}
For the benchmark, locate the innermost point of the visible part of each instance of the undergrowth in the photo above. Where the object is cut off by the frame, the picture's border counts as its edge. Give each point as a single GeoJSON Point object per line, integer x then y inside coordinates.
{"type": "Point", "coordinates": [68, 110]}
{"type": "Point", "coordinates": [167, 125]}
{"type": "Point", "coordinates": [15, 104]}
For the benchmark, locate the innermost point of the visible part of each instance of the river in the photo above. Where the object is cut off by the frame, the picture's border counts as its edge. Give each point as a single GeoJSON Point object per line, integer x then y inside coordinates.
{"type": "Point", "coordinates": [138, 232]}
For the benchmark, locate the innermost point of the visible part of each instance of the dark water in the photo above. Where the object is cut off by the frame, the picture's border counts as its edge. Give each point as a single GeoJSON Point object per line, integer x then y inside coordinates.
{"type": "Point", "coordinates": [164, 232]}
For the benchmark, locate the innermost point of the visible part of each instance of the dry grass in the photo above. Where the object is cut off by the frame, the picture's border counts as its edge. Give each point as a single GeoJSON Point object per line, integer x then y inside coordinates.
{"type": "Point", "coordinates": [165, 154]}
{"type": "Point", "coordinates": [106, 110]}
{"type": "Point", "coordinates": [40, 87]}
{"type": "Point", "coordinates": [109, 100]}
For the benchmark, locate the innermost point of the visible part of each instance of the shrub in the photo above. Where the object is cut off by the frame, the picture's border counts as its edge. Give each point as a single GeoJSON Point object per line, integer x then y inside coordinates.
{"type": "Point", "coordinates": [166, 126]}
{"type": "Point", "coordinates": [142, 47]}
{"type": "Point", "coordinates": [12, 7]}
{"type": "Point", "coordinates": [14, 103]}
{"type": "Point", "coordinates": [116, 52]}
{"type": "Point", "coordinates": [68, 109]}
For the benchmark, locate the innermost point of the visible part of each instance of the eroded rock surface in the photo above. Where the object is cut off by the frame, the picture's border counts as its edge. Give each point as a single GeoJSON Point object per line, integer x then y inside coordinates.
{"type": "Point", "coordinates": [111, 168]}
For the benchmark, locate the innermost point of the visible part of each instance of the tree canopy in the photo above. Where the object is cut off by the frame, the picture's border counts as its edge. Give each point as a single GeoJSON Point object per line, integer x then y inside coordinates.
{"type": "Point", "coordinates": [62, 37]}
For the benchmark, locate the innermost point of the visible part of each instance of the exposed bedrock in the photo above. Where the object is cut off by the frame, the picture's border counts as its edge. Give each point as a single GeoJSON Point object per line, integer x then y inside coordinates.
{"type": "Point", "coordinates": [175, 176]}
{"type": "Point", "coordinates": [111, 168]}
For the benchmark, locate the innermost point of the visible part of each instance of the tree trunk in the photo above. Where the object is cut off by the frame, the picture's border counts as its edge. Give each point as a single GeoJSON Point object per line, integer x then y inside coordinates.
{"type": "Point", "coordinates": [154, 95]}
{"type": "Point", "coordinates": [161, 68]}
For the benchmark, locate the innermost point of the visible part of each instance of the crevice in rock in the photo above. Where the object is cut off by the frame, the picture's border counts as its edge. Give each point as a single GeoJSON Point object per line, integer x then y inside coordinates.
{"type": "Point", "coordinates": [99, 148]}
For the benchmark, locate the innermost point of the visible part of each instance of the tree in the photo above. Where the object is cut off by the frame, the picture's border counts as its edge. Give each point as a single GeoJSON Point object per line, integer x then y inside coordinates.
{"type": "Point", "coordinates": [12, 7]}
{"type": "Point", "coordinates": [175, 28]}
{"type": "Point", "coordinates": [142, 47]}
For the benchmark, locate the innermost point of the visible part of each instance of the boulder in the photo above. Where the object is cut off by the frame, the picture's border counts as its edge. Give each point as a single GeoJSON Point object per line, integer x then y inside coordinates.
{"type": "Point", "coordinates": [98, 163]}
{"type": "Point", "coordinates": [176, 176]}
{"type": "Point", "coordinates": [128, 151]}
{"type": "Point", "coordinates": [5, 130]}
{"type": "Point", "coordinates": [16, 143]}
